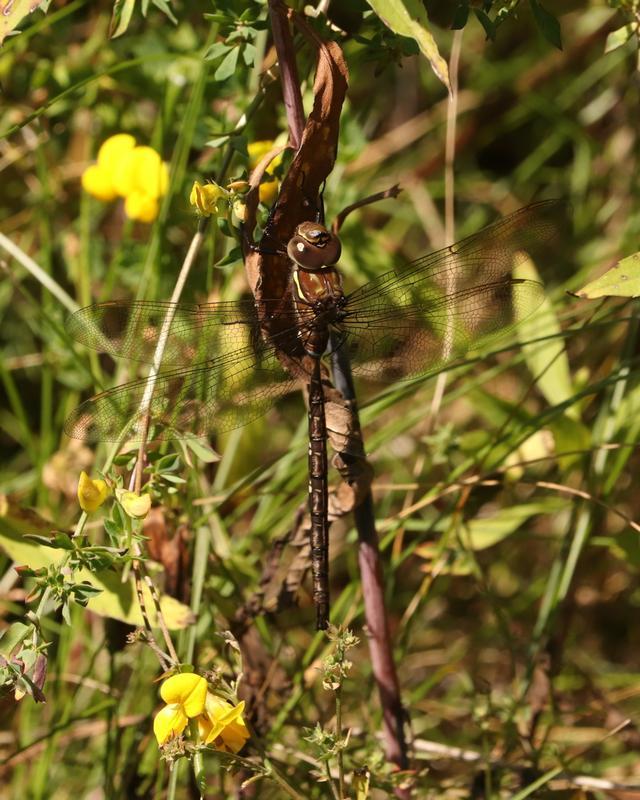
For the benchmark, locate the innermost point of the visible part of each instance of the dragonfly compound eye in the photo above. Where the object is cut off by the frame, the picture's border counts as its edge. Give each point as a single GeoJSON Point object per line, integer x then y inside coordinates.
{"type": "Point", "coordinates": [313, 247]}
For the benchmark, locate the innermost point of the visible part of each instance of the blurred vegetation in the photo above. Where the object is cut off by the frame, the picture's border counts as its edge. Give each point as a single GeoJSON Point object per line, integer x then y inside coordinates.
{"type": "Point", "coordinates": [506, 519]}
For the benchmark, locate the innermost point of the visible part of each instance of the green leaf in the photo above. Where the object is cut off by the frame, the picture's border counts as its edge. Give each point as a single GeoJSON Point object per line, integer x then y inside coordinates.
{"type": "Point", "coordinates": [228, 65]}
{"type": "Point", "coordinates": [163, 5]}
{"type": "Point", "coordinates": [233, 257]}
{"type": "Point", "coordinates": [121, 17]}
{"type": "Point", "coordinates": [116, 600]}
{"type": "Point", "coordinates": [59, 541]}
{"type": "Point", "coordinates": [409, 18]}
{"type": "Point", "coordinates": [202, 450]}
{"type": "Point", "coordinates": [547, 24]}
{"type": "Point", "coordinates": [570, 436]}
{"type": "Point", "coordinates": [13, 636]}
{"type": "Point", "coordinates": [169, 463]}
{"type": "Point", "coordinates": [249, 54]}
{"type": "Point", "coordinates": [217, 50]}
{"type": "Point", "coordinates": [617, 38]}
{"type": "Point", "coordinates": [12, 12]}
{"type": "Point", "coordinates": [484, 532]}
{"type": "Point", "coordinates": [621, 281]}
{"type": "Point", "coordinates": [547, 360]}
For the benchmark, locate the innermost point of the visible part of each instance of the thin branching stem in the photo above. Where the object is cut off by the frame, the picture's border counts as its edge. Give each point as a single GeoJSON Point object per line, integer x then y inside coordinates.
{"type": "Point", "coordinates": [338, 693]}
{"type": "Point", "coordinates": [288, 71]}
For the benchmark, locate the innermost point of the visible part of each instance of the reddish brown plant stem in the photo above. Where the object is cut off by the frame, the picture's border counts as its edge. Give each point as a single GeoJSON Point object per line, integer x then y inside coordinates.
{"type": "Point", "coordinates": [393, 192]}
{"type": "Point", "coordinates": [372, 576]}
{"type": "Point", "coordinates": [288, 71]}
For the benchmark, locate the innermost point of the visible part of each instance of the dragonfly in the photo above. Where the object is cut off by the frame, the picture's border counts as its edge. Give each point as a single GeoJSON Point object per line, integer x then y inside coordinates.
{"type": "Point", "coordinates": [226, 363]}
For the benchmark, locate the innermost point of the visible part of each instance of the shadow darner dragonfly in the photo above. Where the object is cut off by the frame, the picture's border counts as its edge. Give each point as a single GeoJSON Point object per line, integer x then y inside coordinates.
{"type": "Point", "coordinates": [220, 369]}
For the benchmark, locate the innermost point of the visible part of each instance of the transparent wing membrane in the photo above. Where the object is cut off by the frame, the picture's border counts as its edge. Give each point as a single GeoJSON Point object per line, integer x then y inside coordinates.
{"type": "Point", "coordinates": [224, 372]}
{"type": "Point", "coordinates": [390, 346]}
{"type": "Point", "coordinates": [220, 395]}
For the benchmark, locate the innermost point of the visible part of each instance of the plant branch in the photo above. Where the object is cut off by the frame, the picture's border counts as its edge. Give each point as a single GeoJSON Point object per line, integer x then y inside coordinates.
{"type": "Point", "coordinates": [288, 71]}
{"type": "Point", "coordinates": [393, 192]}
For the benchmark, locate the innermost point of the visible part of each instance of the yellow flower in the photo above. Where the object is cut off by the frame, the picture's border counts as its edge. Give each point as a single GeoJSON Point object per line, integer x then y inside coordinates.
{"type": "Point", "coordinates": [114, 148]}
{"type": "Point", "coordinates": [91, 493]}
{"type": "Point", "coordinates": [222, 724]}
{"type": "Point", "coordinates": [141, 206]}
{"type": "Point", "coordinates": [258, 150]}
{"type": "Point", "coordinates": [208, 198]}
{"type": "Point", "coordinates": [269, 191]}
{"type": "Point", "coordinates": [98, 183]}
{"type": "Point", "coordinates": [270, 187]}
{"type": "Point", "coordinates": [185, 696]}
{"type": "Point", "coordinates": [136, 173]}
{"type": "Point", "coordinates": [150, 173]}
{"type": "Point", "coordinates": [98, 179]}
{"type": "Point", "coordinates": [135, 505]}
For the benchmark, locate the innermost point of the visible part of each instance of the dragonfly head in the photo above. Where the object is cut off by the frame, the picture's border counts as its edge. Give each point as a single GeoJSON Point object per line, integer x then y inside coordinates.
{"type": "Point", "coordinates": [313, 247]}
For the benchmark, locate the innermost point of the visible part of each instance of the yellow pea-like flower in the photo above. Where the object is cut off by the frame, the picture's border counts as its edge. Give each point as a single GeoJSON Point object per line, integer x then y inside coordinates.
{"type": "Point", "coordinates": [150, 173]}
{"type": "Point", "coordinates": [123, 175]}
{"type": "Point", "coordinates": [185, 696]}
{"type": "Point", "coordinates": [269, 191]}
{"type": "Point", "coordinates": [136, 173]}
{"type": "Point", "coordinates": [91, 493]}
{"type": "Point", "coordinates": [140, 206]}
{"type": "Point", "coordinates": [222, 724]}
{"type": "Point", "coordinates": [97, 182]}
{"type": "Point", "coordinates": [208, 199]}
{"type": "Point", "coordinates": [113, 149]}
{"type": "Point", "coordinates": [169, 722]}
{"type": "Point", "coordinates": [135, 505]}
{"type": "Point", "coordinates": [258, 150]}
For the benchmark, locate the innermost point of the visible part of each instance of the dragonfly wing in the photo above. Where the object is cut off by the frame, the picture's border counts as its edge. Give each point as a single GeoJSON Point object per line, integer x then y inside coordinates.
{"type": "Point", "coordinates": [223, 394]}
{"type": "Point", "coordinates": [391, 341]}
{"type": "Point", "coordinates": [486, 257]}
{"type": "Point", "coordinates": [190, 332]}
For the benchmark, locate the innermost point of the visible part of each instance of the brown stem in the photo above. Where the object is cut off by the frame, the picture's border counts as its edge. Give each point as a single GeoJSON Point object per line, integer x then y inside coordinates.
{"type": "Point", "coordinates": [394, 191]}
{"type": "Point", "coordinates": [288, 71]}
{"type": "Point", "coordinates": [371, 573]}
{"type": "Point", "coordinates": [164, 660]}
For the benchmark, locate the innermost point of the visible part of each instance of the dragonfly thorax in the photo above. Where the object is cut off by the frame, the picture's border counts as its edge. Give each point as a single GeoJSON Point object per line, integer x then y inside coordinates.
{"type": "Point", "coordinates": [313, 247]}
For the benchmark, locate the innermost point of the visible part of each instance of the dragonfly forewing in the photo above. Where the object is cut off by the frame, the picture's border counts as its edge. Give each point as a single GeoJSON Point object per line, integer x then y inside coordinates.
{"type": "Point", "coordinates": [486, 257]}
{"type": "Point", "coordinates": [413, 320]}
{"type": "Point", "coordinates": [191, 332]}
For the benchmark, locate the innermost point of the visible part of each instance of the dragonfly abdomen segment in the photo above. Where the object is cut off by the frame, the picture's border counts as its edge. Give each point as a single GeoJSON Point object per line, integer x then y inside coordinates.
{"type": "Point", "coordinates": [318, 497]}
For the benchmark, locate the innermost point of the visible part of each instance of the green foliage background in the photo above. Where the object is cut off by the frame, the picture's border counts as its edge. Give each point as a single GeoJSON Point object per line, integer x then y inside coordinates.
{"type": "Point", "coordinates": [512, 607]}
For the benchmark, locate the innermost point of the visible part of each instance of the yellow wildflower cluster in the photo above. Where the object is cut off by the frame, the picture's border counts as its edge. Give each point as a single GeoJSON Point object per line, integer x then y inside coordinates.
{"type": "Point", "coordinates": [211, 200]}
{"type": "Point", "coordinates": [219, 723]}
{"type": "Point", "coordinates": [136, 173]}
{"type": "Point", "coordinates": [92, 492]}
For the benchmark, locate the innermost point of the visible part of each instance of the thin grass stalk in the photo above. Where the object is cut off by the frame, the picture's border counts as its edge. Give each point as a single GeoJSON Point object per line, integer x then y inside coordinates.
{"type": "Point", "coordinates": [43, 278]}
{"type": "Point", "coordinates": [449, 210]}
{"type": "Point", "coordinates": [145, 404]}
